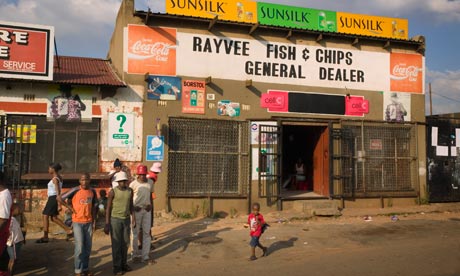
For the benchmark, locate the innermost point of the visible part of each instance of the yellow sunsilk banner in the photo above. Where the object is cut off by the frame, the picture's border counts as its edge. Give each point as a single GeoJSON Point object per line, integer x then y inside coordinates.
{"type": "Point", "coordinates": [231, 10]}
{"type": "Point", "coordinates": [368, 25]}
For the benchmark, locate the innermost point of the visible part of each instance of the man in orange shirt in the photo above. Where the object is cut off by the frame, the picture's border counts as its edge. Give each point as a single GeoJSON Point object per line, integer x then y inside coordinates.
{"type": "Point", "coordinates": [84, 207]}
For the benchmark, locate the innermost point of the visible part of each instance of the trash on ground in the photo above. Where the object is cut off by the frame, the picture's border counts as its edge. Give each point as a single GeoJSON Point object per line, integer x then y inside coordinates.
{"type": "Point", "coordinates": [367, 218]}
{"type": "Point", "coordinates": [271, 238]}
{"type": "Point", "coordinates": [394, 218]}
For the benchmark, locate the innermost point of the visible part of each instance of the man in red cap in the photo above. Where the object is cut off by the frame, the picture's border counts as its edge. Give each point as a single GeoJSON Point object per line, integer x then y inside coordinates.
{"type": "Point", "coordinates": [143, 204]}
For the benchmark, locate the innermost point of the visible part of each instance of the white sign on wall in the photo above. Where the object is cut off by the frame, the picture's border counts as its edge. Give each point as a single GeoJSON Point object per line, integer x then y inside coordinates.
{"type": "Point", "coordinates": [121, 130]}
{"type": "Point", "coordinates": [263, 61]}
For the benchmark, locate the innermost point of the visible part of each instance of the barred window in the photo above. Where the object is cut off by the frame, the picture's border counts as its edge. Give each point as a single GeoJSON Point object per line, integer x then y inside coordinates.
{"type": "Point", "coordinates": [73, 144]}
{"type": "Point", "coordinates": [383, 158]}
{"type": "Point", "coordinates": [208, 157]}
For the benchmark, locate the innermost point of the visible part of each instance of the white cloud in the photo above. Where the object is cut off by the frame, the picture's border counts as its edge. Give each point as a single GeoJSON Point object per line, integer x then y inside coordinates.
{"type": "Point", "coordinates": [445, 88]}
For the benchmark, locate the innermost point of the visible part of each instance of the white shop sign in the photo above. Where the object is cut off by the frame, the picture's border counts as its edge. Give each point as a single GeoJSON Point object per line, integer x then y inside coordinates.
{"type": "Point", "coordinates": [263, 61]}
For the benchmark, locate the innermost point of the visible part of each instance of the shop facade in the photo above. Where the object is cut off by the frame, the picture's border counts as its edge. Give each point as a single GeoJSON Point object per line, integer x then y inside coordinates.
{"type": "Point", "coordinates": [233, 100]}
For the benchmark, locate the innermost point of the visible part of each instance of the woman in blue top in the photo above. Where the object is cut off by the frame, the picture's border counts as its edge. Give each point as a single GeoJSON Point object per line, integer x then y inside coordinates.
{"type": "Point", "coordinates": [51, 207]}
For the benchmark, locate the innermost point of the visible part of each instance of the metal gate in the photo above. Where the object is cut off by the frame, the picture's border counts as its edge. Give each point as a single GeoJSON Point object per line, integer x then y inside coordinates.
{"type": "Point", "coordinates": [443, 151]}
{"type": "Point", "coordinates": [14, 149]}
{"type": "Point", "coordinates": [342, 162]}
{"type": "Point", "coordinates": [374, 159]}
{"type": "Point", "coordinates": [269, 163]}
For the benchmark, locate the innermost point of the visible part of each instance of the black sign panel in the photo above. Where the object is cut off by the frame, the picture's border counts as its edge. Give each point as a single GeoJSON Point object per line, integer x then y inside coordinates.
{"type": "Point", "coordinates": [316, 103]}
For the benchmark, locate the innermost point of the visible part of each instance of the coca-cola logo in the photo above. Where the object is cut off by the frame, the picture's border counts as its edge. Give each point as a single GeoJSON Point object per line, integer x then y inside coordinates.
{"type": "Point", "coordinates": [402, 72]}
{"type": "Point", "coordinates": [146, 50]}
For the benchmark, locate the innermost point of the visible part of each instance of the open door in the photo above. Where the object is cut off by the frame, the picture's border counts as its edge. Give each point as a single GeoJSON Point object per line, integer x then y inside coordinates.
{"type": "Point", "coordinates": [321, 164]}
{"type": "Point", "coordinates": [269, 163]}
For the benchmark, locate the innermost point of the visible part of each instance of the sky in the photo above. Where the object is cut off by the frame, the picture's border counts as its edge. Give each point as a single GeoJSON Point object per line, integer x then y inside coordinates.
{"type": "Point", "coordinates": [84, 28]}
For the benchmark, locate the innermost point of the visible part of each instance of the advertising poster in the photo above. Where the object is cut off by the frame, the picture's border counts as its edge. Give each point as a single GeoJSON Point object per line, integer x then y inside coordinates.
{"type": "Point", "coordinates": [121, 130]}
{"type": "Point", "coordinates": [155, 148]}
{"type": "Point", "coordinates": [70, 104]}
{"type": "Point", "coordinates": [228, 108]}
{"type": "Point", "coordinates": [296, 17]}
{"type": "Point", "coordinates": [396, 107]}
{"type": "Point", "coordinates": [194, 98]}
{"type": "Point", "coordinates": [164, 88]}
{"type": "Point", "coordinates": [150, 50]}
{"type": "Point", "coordinates": [255, 133]}
{"type": "Point", "coordinates": [406, 72]}
{"type": "Point", "coordinates": [26, 134]}
{"type": "Point", "coordinates": [26, 51]}
{"type": "Point", "coordinates": [230, 10]}
{"type": "Point", "coordinates": [369, 25]}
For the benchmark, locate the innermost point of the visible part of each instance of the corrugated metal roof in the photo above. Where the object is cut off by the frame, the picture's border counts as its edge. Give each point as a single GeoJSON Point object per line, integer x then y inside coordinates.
{"type": "Point", "coordinates": [85, 71]}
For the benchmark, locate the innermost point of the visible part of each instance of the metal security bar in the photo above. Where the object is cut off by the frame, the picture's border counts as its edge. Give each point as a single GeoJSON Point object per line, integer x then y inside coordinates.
{"type": "Point", "coordinates": [377, 159]}
{"type": "Point", "coordinates": [269, 163]}
{"type": "Point", "coordinates": [208, 157]}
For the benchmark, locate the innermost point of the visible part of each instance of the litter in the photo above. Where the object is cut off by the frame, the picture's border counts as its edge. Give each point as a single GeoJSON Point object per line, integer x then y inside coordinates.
{"type": "Point", "coordinates": [367, 218]}
{"type": "Point", "coordinates": [271, 238]}
{"type": "Point", "coordinates": [394, 218]}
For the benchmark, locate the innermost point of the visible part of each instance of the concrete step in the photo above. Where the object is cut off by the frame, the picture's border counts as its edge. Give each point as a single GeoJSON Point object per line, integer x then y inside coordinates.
{"type": "Point", "coordinates": [319, 207]}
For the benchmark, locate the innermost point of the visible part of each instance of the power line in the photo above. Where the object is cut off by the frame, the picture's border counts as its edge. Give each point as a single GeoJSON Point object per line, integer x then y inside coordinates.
{"type": "Point", "coordinates": [442, 96]}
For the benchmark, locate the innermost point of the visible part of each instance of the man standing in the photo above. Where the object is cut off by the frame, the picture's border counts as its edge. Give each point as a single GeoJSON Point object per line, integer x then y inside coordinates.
{"type": "Point", "coordinates": [142, 199]}
{"type": "Point", "coordinates": [84, 209]}
{"type": "Point", "coordinates": [5, 215]}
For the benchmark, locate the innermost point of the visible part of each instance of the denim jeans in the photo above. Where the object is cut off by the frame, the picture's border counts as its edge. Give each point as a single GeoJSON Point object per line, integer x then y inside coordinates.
{"type": "Point", "coordinates": [119, 233]}
{"type": "Point", "coordinates": [83, 233]}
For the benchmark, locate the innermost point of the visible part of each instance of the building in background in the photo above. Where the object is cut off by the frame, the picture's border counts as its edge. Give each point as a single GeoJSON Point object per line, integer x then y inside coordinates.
{"type": "Point", "coordinates": [237, 91]}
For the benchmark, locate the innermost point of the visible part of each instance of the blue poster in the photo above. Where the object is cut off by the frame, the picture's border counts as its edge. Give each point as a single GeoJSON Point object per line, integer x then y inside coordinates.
{"type": "Point", "coordinates": [154, 148]}
{"type": "Point", "coordinates": [164, 88]}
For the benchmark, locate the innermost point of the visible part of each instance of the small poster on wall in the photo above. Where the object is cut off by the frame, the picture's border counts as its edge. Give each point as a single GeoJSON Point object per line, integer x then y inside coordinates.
{"type": "Point", "coordinates": [228, 108]}
{"type": "Point", "coordinates": [164, 88]}
{"type": "Point", "coordinates": [396, 107]}
{"type": "Point", "coordinates": [155, 148]}
{"type": "Point", "coordinates": [121, 130]}
{"type": "Point", "coordinates": [194, 98]}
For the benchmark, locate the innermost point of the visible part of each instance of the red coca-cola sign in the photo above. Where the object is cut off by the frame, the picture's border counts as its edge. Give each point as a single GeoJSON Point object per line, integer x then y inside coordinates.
{"type": "Point", "coordinates": [406, 72]}
{"type": "Point", "coordinates": [151, 50]}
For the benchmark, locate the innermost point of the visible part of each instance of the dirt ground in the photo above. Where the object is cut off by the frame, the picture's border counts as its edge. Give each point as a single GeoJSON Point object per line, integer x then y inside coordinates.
{"type": "Point", "coordinates": [419, 240]}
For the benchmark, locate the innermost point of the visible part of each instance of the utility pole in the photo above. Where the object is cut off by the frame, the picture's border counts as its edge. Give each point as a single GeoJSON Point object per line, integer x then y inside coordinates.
{"type": "Point", "coordinates": [431, 102]}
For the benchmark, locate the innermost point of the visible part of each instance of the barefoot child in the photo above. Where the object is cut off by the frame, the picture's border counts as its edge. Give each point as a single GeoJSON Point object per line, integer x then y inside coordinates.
{"type": "Point", "coordinates": [256, 223]}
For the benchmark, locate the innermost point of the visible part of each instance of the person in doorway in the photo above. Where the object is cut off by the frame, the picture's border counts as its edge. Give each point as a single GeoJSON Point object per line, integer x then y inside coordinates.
{"type": "Point", "coordinates": [83, 205]}
{"type": "Point", "coordinates": [15, 239]}
{"type": "Point", "coordinates": [256, 224]}
{"type": "Point", "coordinates": [6, 203]}
{"type": "Point", "coordinates": [143, 202]}
{"type": "Point", "coordinates": [118, 223]}
{"type": "Point", "coordinates": [51, 208]}
{"type": "Point", "coordinates": [395, 111]}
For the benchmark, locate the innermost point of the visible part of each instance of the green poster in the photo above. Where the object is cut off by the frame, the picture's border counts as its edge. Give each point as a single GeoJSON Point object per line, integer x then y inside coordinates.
{"type": "Point", "coordinates": [296, 17]}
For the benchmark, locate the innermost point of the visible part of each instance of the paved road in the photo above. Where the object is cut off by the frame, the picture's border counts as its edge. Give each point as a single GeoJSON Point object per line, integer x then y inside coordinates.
{"type": "Point", "coordinates": [427, 244]}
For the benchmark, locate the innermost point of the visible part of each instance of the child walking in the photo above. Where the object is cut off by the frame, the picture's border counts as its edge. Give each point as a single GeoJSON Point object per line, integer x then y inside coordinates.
{"type": "Point", "coordinates": [256, 224]}
{"type": "Point", "coordinates": [117, 222]}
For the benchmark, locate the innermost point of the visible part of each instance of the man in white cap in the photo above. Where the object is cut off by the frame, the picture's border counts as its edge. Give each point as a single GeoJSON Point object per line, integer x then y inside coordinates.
{"type": "Point", "coordinates": [117, 222]}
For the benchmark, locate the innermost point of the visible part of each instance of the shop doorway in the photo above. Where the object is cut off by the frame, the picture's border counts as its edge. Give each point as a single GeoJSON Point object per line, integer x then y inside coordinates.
{"type": "Point", "coordinates": [305, 166]}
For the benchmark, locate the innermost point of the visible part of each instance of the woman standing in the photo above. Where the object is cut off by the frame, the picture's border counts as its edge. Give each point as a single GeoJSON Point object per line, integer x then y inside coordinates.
{"type": "Point", "coordinates": [51, 208]}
